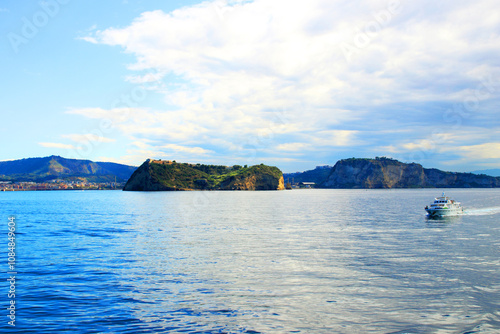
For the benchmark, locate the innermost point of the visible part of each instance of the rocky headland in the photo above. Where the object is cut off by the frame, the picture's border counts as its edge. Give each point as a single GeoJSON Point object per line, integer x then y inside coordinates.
{"type": "Point", "coordinates": [161, 175]}
{"type": "Point", "coordinates": [389, 173]}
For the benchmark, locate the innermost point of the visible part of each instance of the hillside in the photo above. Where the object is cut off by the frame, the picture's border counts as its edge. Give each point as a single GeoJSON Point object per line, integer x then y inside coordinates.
{"type": "Point", "coordinates": [56, 167]}
{"type": "Point", "coordinates": [158, 175]}
{"type": "Point", "coordinates": [390, 173]}
{"type": "Point", "coordinates": [317, 175]}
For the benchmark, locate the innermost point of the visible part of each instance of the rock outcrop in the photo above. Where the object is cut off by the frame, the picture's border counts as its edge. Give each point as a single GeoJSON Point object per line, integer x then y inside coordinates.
{"type": "Point", "coordinates": [157, 175]}
{"type": "Point", "coordinates": [390, 173]}
{"type": "Point", "coordinates": [264, 178]}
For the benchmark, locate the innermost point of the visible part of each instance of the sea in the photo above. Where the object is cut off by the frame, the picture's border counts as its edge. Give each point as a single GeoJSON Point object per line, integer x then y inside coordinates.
{"type": "Point", "coordinates": [294, 261]}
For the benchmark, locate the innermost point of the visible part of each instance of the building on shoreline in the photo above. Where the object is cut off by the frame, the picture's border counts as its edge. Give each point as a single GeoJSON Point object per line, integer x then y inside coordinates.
{"type": "Point", "coordinates": [59, 185]}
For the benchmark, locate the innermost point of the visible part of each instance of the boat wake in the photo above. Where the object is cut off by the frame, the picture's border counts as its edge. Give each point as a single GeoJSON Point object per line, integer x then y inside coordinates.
{"type": "Point", "coordinates": [482, 212]}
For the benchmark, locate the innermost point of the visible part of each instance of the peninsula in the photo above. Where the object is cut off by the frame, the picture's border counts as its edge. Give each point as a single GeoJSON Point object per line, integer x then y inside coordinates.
{"type": "Point", "coordinates": [165, 175]}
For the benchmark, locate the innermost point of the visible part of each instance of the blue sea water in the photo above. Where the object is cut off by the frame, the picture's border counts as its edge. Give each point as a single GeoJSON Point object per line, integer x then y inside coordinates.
{"type": "Point", "coordinates": [300, 261]}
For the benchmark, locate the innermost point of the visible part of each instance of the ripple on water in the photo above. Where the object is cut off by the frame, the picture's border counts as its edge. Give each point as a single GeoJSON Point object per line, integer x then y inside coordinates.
{"type": "Point", "coordinates": [319, 261]}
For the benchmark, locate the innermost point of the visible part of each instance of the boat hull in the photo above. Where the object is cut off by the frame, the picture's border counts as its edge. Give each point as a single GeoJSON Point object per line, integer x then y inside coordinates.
{"type": "Point", "coordinates": [444, 212]}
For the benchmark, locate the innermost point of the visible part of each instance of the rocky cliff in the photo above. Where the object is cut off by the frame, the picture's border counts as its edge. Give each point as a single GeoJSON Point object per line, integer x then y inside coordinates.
{"type": "Point", "coordinates": [258, 177]}
{"type": "Point", "coordinates": [158, 175]}
{"type": "Point", "coordinates": [390, 173]}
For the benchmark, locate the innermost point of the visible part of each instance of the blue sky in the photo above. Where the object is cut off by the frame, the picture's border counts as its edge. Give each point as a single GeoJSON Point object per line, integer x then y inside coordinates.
{"type": "Point", "coordinates": [288, 83]}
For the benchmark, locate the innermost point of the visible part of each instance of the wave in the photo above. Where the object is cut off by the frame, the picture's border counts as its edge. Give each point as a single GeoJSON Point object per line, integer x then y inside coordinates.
{"type": "Point", "coordinates": [482, 212]}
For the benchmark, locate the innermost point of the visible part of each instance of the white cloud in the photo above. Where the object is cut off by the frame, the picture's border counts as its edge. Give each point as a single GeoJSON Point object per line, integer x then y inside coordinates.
{"type": "Point", "coordinates": [293, 147]}
{"type": "Point", "coordinates": [423, 144]}
{"type": "Point", "coordinates": [245, 64]}
{"type": "Point", "coordinates": [57, 145]}
{"type": "Point", "coordinates": [336, 138]}
{"type": "Point", "coordinates": [135, 157]}
{"type": "Point", "coordinates": [186, 149]}
{"type": "Point", "coordinates": [144, 79]}
{"type": "Point", "coordinates": [114, 115]}
{"type": "Point", "coordinates": [388, 148]}
{"type": "Point", "coordinates": [88, 137]}
{"type": "Point", "coordinates": [141, 149]}
{"type": "Point", "coordinates": [481, 151]}
{"type": "Point", "coordinates": [89, 39]}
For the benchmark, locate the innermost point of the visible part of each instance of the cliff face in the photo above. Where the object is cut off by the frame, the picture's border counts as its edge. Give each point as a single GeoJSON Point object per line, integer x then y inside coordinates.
{"type": "Point", "coordinates": [389, 173]}
{"type": "Point", "coordinates": [157, 175]}
{"type": "Point", "coordinates": [145, 179]}
{"type": "Point", "coordinates": [437, 178]}
{"type": "Point", "coordinates": [258, 178]}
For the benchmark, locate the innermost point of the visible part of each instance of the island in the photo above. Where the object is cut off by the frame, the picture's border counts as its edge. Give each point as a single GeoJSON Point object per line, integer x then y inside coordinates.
{"type": "Point", "coordinates": [166, 175]}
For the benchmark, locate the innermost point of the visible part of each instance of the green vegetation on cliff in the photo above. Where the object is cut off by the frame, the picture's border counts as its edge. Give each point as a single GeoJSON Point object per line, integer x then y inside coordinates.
{"type": "Point", "coordinates": [157, 175]}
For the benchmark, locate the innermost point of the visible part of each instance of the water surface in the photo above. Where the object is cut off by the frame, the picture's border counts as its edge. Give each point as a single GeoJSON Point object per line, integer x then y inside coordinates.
{"type": "Point", "coordinates": [300, 261]}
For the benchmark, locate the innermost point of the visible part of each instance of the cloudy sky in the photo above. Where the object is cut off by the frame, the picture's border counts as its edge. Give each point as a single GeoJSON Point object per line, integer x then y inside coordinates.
{"type": "Point", "coordinates": [288, 83]}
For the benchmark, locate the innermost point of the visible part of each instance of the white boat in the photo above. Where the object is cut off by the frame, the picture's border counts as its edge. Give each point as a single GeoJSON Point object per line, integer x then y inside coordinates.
{"type": "Point", "coordinates": [444, 206]}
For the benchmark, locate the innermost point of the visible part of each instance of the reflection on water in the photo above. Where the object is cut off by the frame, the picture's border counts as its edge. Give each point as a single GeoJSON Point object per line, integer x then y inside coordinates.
{"type": "Point", "coordinates": [441, 220]}
{"type": "Point", "coordinates": [311, 261]}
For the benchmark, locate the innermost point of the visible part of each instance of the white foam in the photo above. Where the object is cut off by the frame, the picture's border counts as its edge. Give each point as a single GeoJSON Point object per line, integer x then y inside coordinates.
{"type": "Point", "coordinates": [482, 211]}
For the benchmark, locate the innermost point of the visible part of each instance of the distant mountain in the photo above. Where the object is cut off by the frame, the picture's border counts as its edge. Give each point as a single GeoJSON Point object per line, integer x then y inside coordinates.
{"type": "Point", "coordinates": [56, 167]}
{"type": "Point", "coordinates": [317, 175]}
{"type": "Point", "coordinates": [490, 172]}
{"type": "Point", "coordinates": [161, 175]}
{"type": "Point", "coordinates": [390, 173]}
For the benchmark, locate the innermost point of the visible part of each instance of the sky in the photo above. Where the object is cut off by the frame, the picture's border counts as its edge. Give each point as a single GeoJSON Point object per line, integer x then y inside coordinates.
{"type": "Point", "coordinates": [294, 84]}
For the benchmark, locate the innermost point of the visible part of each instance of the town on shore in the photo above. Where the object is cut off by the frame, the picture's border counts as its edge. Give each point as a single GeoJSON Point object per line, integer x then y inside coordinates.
{"type": "Point", "coordinates": [59, 185]}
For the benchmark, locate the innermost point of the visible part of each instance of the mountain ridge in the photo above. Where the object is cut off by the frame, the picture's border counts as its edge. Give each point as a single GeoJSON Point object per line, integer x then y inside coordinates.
{"type": "Point", "coordinates": [383, 172]}
{"type": "Point", "coordinates": [41, 169]}
{"type": "Point", "coordinates": [380, 172]}
{"type": "Point", "coordinates": [489, 172]}
{"type": "Point", "coordinates": [390, 173]}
